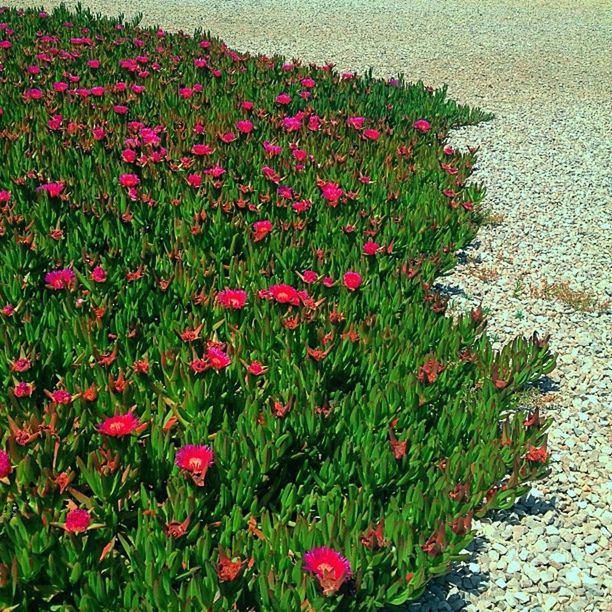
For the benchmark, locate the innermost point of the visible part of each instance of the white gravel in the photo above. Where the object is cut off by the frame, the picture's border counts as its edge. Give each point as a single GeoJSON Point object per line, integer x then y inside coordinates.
{"type": "Point", "coordinates": [545, 68]}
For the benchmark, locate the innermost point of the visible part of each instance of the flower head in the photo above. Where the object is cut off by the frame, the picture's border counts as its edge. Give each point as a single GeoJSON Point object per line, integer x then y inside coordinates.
{"type": "Point", "coordinates": [422, 125]}
{"type": "Point", "coordinates": [119, 425]}
{"type": "Point", "coordinates": [59, 279]}
{"type": "Point", "coordinates": [217, 359]}
{"type": "Point", "coordinates": [232, 298]}
{"type": "Point", "coordinates": [77, 520]}
{"type": "Point", "coordinates": [5, 464]}
{"type": "Point", "coordinates": [329, 567]}
{"type": "Point", "coordinates": [352, 280]}
{"type": "Point", "coordinates": [195, 459]}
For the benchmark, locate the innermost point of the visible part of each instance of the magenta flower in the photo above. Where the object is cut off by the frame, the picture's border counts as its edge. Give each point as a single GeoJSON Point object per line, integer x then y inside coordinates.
{"type": "Point", "coordinates": [23, 389]}
{"type": "Point", "coordinates": [202, 149]}
{"type": "Point", "coordinates": [61, 396]}
{"type": "Point", "coordinates": [98, 274]}
{"type": "Point", "coordinates": [352, 280]}
{"type": "Point", "coordinates": [53, 189]}
{"type": "Point", "coordinates": [371, 247]}
{"type": "Point", "coordinates": [60, 279]}
{"type": "Point", "coordinates": [119, 425]}
{"type": "Point", "coordinates": [232, 298]}
{"type": "Point", "coordinates": [329, 567]}
{"type": "Point", "coordinates": [195, 459]}
{"type": "Point", "coordinates": [77, 520]}
{"type": "Point", "coordinates": [129, 180]}
{"type": "Point", "coordinates": [371, 134]}
{"type": "Point", "coordinates": [244, 126]}
{"type": "Point", "coordinates": [217, 359]}
{"type": "Point", "coordinates": [422, 125]}
{"type": "Point", "coordinates": [5, 464]}
{"type": "Point", "coordinates": [256, 368]}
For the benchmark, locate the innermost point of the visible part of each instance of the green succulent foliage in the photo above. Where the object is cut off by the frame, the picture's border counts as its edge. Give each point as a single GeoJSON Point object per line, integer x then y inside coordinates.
{"type": "Point", "coordinates": [379, 427]}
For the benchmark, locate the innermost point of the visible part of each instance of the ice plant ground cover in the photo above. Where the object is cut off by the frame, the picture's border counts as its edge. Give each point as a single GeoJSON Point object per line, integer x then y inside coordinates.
{"type": "Point", "coordinates": [227, 378]}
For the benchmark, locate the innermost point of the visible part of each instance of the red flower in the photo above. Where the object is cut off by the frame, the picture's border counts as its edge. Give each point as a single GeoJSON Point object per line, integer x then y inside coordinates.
{"type": "Point", "coordinates": [329, 567]}
{"type": "Point", "coordinates": [283, 99]}
{"type": "Point", "coordinates": [195, 180]}
{"type": "Point", "coordinates": [21, 365]}
{"type": "Point", "coordinates": [232, 298]}
{"type": "Point", "coordinates": [284, 294]}
{"type": "Point", "coordinates": [98, 274]}
{"type": "Point", "coordinates": [195, 459]}
{"type": "Point", "coordinates": [261, 229]}
{"type": "Point", "coordinates": [355, 122]}
{"type": "Point", "coordinates": [119, 425]}
{"type": "Point", "coordinates": [199, 365]}
{"type": "Point", "coordinates": [371, 247]}
{"type": "Point", "coordinates": [217, 358]}
{"type": "Point", "coordinates": [227, 569]}
{"type": "Point", "coordinates": [537, 455]}
{"type": "Point", "coordinates": [59, 279]}
{"type": "Point", "coordinates": [5, 464]}
{"type": "Point", "coordinates": [202, 149]}
{"type": "Point", "coordinates": [422, 125]}
{"type": "Point", "coordinates": [256, 368]}
{"type": "Point", "coordinates": [23, 389]}
{"type": "Point", "coordinates": [245, 126]}
{"type": "Point", "coordinates": [371, 134]}
{"type": "Point", "coordinates": [309, 276]}
{"type": "Point", "coordinates": [77, 520]}
{"type": "Point", "coordinates": [61, 396]}
{"type": "Point", "coordinates": [129, 180]}
{"type": "Point", "coordinates": [428, 372]}
{"type": "Point", "coordinates": [352, 280]}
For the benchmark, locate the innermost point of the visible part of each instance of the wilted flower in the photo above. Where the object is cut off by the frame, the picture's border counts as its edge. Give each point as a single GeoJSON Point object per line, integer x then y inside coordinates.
{"type": "Point", "coordinates": [329, 567]}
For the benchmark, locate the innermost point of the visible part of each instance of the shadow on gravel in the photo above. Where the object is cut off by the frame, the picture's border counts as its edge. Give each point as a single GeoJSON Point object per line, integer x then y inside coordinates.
{"type": "Point", "coordinates": [449, 592]}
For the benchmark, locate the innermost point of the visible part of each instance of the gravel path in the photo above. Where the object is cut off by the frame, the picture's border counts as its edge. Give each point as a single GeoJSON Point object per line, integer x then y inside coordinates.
{"type": "Point", "coordinates": [545, 68]}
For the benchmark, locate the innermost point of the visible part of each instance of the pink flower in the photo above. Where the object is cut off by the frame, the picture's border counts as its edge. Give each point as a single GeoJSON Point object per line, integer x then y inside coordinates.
{"type": "Point", "coordinates": [328, 281]}
{"type": "Point", "coordinates": [55, 123]}
{"type": "Point", "coordinates": [53, 189]}
{"type": "Point", "coordinates": [329, 567]}
{"type": "Point", "coordinates": [61, 396]}
{"type": "Point", "coordinates": [120, 109]}
{"type": "Point", "coordinates": [283, 99]}
{"type": "Point", "coordinates": [308, 82]}
{"type": "Point", "coordinates": [8, 310]}
{"type": "Point", "coordinates": [60, 279]}
{"type": "Point", "coordinates": [331, 192]}
{"type": "Point", "coordinates": [256, 368]}
{"type": "Point", "coordinates": [245, 126]}
{"type": "Point", "coordinates": [202, 149]}
{"type": "Point", "coordinates": [355, 122]}
{"type": "Point", "coordinates": [98, 133]}
{"type": "Point", "coordinates": [448, 150]}
{"type": "Point", "coordinates": [5, 464]}
{"type": "Point", "coordinates": [5, 196]}
{"type": "Point", "coordinates": [195, 180]}
{"type": "Point", "coordinates": [371, 134]}
{"type": "Point", "coordinates": [199, 365]}
{"type": "Point", "coordinates": [217, 359]}
{"type": "Point", "coordinates": [232, 298]}
{"type": "Point", "coordinates": [284, 294]}
{"type": "Point", "coordinates": [371, 247]}
{"type": "Point", "coordinates": [261, 229]}
{"type": "Point", "coordinates": [129, 156]}
{"type": "Point", "coordinates": [292, 124]}
{"type": "Point", "coordinates": [129, 180]}
{"type": "Point", "coordinates": [195, 459]}
{"type": "Point", "coordinates": [247, 105]}
{"type": "Point", "coordinates": [352, 280]}
{"type": "Point", "coordinates": [77, 520]}
{"type": "Point", "coordinates": [310, 276]}
{"type": "Point", "coordinates": [60, 86]}
{"type": "Point", "coordinates": [119, 425]}
{"type": "Point", "coordinates": [98, 274]}
{"type": "Point", "coordinates": [22, 364]}
{"type": "Point", "coordinates": [422, 125]}
{"type": "Point", "coordinates": [23, 389]}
